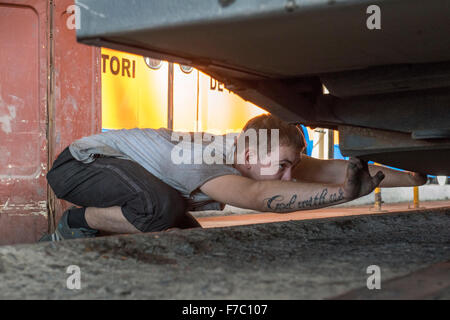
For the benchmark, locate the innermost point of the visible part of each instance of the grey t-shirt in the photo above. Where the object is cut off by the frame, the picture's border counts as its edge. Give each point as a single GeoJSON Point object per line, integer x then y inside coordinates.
{"type": "Point", "coordinates": [176, 158]}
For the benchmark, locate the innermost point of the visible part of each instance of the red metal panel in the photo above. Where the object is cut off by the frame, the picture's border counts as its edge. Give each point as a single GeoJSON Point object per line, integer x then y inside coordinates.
{"type": "Point", "coordinates": [23, 144]}
{"type": "Point", "coordinates": [49, 87]}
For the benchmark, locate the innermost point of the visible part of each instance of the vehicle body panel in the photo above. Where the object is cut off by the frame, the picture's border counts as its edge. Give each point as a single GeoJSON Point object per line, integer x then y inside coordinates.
{"type": "Point", "coordinates": [46, 101]}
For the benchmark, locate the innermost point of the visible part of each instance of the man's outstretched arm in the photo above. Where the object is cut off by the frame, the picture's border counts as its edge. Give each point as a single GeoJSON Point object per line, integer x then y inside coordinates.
{"type": "Point", "coordinates": [333, 172]}
{"type": "Point", "coordinates": [289, 196]}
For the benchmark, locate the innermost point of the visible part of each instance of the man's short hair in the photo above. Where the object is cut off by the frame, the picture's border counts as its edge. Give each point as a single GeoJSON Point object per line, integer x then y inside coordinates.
{"type": "Point", "coordinates": [290, 135]}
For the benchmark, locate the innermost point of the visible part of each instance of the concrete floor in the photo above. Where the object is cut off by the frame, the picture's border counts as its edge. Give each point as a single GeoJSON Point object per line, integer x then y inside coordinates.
{"type": "Point", "coordinates": [307, 259]}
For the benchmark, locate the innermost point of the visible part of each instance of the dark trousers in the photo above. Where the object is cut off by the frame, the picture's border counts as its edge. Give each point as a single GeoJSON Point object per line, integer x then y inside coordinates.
{"type": "Point", "coordinates": [147, 203]}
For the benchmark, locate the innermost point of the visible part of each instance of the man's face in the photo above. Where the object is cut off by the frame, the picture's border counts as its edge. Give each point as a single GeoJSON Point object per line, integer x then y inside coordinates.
{"type": "Point", "coordinates": [272, 167]}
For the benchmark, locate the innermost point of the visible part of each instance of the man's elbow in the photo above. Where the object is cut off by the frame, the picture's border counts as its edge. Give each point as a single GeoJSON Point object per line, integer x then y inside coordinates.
{"type": "Point", "coordinates": [256, 200]}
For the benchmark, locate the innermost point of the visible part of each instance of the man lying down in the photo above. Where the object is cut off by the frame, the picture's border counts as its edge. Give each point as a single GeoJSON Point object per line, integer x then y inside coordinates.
{"type": "Point", "coordinates": [145, 180]}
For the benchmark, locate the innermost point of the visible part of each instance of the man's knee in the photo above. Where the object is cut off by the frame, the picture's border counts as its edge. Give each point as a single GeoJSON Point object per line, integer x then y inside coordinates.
{"type": "Point", "coordinates": [155, 212]}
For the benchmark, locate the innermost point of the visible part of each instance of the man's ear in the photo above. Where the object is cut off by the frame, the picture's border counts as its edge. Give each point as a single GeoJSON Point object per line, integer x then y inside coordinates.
{"type": "Point", "coordinates": [250, 157]}
{"type": "Point", "coordinates": [247, 158]}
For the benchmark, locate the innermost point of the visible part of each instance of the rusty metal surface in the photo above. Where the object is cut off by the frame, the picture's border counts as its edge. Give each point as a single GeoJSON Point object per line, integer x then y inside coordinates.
{"type": "Point", "coordinates": [277, 38]}
{"type": "Point", "coordinates": [38, 84]}
{"type": "Point", "coordinates": [385, 79]}
{"type": "Point", "coordinates": [397, 149]}
{"type": "Point", "coordinates": [23, 143]}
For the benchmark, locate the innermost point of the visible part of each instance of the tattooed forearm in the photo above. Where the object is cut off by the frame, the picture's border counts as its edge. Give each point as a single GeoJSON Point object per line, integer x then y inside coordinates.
{"type": "Point", "coordinates": [277, 203]}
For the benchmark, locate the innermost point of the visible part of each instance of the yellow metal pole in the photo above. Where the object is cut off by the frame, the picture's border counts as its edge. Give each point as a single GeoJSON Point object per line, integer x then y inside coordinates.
{"type": "Point", "coordinates": [378, 200]}
{"type": "Point", "coordinates": [416, 197]}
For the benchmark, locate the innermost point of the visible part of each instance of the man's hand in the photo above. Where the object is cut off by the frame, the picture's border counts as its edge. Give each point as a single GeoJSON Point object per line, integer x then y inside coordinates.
{"type": "Point", "coordinates": [358, 181]}
{"type": "Point", "coordinates": [333, 171]}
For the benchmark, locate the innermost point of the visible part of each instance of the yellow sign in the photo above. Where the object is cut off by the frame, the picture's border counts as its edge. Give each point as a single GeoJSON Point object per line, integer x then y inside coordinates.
{"type": "Point", "coordinates": [135, 94]}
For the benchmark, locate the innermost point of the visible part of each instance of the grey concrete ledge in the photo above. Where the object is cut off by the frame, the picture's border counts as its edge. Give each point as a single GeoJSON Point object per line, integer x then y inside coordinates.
{"type": "Point", "coordinates": [310, 259]}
